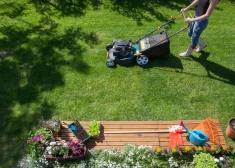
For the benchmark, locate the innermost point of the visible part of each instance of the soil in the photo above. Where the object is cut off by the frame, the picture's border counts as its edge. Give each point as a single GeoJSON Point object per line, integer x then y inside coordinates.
{"type": "Point", "coordinates": [232, 124]}
{"type": "Point", "coordinates": [81, 133]}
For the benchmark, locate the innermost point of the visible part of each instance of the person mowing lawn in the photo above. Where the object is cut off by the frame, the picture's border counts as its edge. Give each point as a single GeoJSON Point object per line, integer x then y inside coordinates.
{"type": "Point", "coordinates": [198, 24]}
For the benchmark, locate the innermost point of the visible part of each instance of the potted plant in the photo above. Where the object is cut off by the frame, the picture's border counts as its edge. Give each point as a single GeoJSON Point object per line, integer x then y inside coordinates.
{"type": "Point", "coordinates": [52, 124]}
{"type": "Point", "coordinates": [94, 129]}
{"type": "Point", "coordinates": [230, 131]}
{"type": "Point", "coordinates": [62, 150]}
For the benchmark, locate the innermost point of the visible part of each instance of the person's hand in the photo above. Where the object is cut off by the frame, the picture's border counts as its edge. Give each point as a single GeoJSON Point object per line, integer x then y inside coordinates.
{"type": "Point", "coordinates": [188, 20]}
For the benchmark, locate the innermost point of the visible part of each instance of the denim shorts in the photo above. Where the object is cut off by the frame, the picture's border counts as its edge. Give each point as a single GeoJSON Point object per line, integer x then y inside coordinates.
{"type": "Point", "coordinates": [195, 30]}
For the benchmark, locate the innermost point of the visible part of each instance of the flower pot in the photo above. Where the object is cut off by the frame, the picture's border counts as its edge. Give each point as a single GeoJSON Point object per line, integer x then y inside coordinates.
{"type": "Point", "coordinates": [55, 133]}
{"type": "Point", "coordinates": [95, 136]}
{"type": "Point", "coordinates": [230, 131]}
{"type": "Point", "coordinates": [67, 158]}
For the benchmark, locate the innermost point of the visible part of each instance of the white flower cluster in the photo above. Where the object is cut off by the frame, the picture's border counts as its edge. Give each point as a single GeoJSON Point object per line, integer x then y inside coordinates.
{"type": "Point", "coordinates": [54, 146]}
{"type": "Point", "coordinates": [172, 163]}
{"type": "Point", "coordinates": [28, 162]}
{"type": "Point", "coordinates": [130, 157]}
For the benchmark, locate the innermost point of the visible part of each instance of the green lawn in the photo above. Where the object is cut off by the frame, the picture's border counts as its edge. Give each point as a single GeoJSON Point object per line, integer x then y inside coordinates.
{"type": "Point", "coordinates": [56, 65]}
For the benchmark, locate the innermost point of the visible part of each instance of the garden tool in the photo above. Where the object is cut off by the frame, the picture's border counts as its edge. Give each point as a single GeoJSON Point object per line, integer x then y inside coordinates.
{"type": "Point", "coordinates": [75, 121]}
{"type": "Point", "coordinates": [196, 137]}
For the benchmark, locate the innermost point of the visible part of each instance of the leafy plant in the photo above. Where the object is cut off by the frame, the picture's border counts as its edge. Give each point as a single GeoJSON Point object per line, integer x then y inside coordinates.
{"type": "Point", "coordinates": [204, 160]}
{"type": "Point", "coordinates": [94, 128]}
{"type": "Point", "coordinates": [36, 142]}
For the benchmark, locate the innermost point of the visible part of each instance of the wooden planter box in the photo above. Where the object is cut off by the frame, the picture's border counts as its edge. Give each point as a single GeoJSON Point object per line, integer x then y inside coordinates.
{"type": "Point", "coordinates": [68, 158]}
{"type": "Point", "coordinates": [80, 132]}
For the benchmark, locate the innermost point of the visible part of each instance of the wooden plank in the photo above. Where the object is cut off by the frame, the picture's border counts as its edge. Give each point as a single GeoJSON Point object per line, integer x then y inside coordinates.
{"type": "Point", "coordinates": [119, 140]}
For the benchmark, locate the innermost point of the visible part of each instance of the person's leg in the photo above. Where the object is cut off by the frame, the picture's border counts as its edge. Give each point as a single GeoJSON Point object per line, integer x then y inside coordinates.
{"type": "Point", "coordinates": [201, 45]}
{"type": "Point", "coordinates": [196, 28]}
{"type": "Point", "coordinates": [190, 30]}
{"type": "Point", "coordinates": [189, 51]}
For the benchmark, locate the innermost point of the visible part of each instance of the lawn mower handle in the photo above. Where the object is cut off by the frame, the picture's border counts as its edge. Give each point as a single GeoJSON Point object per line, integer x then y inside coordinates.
{"type": "Point", "coordinates": [183, 13]}
{"type": "Point", "coordinates": [158, 28]}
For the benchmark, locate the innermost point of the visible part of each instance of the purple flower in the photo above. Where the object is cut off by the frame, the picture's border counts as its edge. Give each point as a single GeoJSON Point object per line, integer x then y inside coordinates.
{"type": "Point", "coordinates": [64, 156]}
{"type": "Point", "coordinates": [28, 141]}
{"type": "Point", "coordinates": [228, 161]}
{"type": "Point", "coordinates": [36, 138]}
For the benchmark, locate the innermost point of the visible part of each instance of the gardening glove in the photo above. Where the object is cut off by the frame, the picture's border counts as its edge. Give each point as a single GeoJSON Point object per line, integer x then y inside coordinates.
{"type": "Point", "coordinates": [175, 136]}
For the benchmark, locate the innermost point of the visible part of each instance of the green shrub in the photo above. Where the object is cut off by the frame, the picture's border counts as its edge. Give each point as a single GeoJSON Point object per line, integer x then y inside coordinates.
{"type": "Point", "coordinates": [204, 160]}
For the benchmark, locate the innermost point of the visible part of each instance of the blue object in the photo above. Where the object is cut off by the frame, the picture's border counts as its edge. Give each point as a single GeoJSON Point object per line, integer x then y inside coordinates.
{"type": "Point", "coordinates": [197, 137]}
{"type": "Point", "coordinates": [72, 127]}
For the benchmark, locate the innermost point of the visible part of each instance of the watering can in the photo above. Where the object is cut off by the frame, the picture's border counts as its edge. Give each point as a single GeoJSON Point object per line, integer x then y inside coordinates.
{"type": "Point", "coordinates": [196, 137]}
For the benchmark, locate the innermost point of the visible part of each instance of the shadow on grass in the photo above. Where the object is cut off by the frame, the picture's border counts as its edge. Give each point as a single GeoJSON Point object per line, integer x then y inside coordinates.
{"type": "Point", "coordinates": [170, 61]}
{"type": "Point", "coordinates": [224, 74]}
{"type": "Point", "coordinates": [137, 10]}
{"type": "Point", "coordinates": [32, 56]}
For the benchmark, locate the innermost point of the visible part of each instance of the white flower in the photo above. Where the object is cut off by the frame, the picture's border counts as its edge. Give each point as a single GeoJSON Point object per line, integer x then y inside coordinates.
{"type": "Point", "coordinates": [52, 143]}
{"type": "Point", "coordinates": [216, 160]}
{"type": "Point", "coordinates": [221, 158]}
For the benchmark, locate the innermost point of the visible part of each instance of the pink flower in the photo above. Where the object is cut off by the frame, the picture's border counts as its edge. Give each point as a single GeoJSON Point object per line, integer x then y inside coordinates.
{"type": "Point", "coordinates": [36, 138]}
{"type": "Point", "coordinates": [69, 144]}
{"type": "Point", "coordinates": [42, 137]}
{"type": "Point", "coordinates": [28, 141]}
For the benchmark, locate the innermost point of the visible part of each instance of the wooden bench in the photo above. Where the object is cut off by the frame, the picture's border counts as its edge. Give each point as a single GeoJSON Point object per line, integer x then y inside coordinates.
{"type": "Point", "coordinates": [118, 133]}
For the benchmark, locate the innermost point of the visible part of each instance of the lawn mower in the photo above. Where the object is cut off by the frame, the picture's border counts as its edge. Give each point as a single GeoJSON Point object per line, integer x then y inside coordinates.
{"type": "Point", "coordinates": [123, 52]}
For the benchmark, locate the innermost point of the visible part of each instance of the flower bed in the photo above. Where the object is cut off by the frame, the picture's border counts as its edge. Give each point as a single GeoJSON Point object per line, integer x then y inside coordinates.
{"type": "Point", "coordinates": [145, 156]}
{"type": "Point", "coordinates": [214, 150]}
